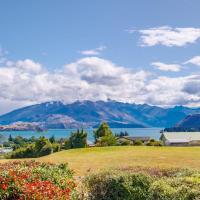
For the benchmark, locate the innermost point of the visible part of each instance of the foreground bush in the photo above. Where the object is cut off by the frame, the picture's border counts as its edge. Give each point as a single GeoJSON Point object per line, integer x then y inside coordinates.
{"type": "Point", "coordinates": [35, 181]}
{"type": "Point", "coordinates": [149, 185]}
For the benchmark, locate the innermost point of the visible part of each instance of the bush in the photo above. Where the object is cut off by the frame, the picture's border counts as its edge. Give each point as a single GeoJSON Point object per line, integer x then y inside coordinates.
{"type": "Point", "coordinates": [56, 147]}
{"type": "Point", "coordinates": [162, 190]}
{"type": "Point", "coordinates": [34, 180]}
{"type": "Point", "coordinates": [158, 143]}
{"type": "Point", "coordinates": [124, 142]}
{"type": "Point", "coordinates": [23, 152]}
{"type": "Point", "coordinates": [154, 143]}
{"type": "Point", "coordinates": [138, 143]}
{"type": "Point", "coordinates": [138, 185]}
{"type": "Point", "coordinates": [41, 147]}
{"type": "Point", "coordinates": [46, 150]}
{"type": "Point", "coordinates": [146, 185]}
{"type": "Point", "coordinates": [117, 186]}
{"type": "Point", "coordinates": [105, 186]}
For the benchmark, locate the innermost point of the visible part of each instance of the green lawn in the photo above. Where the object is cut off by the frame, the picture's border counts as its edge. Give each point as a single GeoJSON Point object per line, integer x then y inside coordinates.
{"type": "Point", "coordinates": [94, 159]}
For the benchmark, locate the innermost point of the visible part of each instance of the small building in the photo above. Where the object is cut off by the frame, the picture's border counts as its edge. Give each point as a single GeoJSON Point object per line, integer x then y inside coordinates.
{"type": "Point", "coordinates": [180, 138]}
{"type": "Point", "coordinates": [5, 150]}
{"type": "Point", "coordinates": [90, 143]}
{"type": "Point", "coordinates": [133, 139]}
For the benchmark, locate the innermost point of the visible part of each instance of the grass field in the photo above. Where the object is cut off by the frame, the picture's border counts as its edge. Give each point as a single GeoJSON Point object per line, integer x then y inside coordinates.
{"type": "Point", "coordinates": [93, 159]}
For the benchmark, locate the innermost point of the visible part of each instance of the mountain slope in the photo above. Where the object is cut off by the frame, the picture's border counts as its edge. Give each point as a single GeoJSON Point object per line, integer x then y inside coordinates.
{"type": "Point", "coordinates": [191, 121]}
{"type": "Point", "coordinates": [87, 113]}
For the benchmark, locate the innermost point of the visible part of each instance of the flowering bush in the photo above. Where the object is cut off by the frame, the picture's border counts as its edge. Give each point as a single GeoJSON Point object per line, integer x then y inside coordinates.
{"type": "Point", "coordinates": [33, 180]}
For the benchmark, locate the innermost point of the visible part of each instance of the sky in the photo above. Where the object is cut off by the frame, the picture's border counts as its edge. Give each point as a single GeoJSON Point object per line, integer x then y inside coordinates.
{"type": "Point", "coordinates": [133, 51]}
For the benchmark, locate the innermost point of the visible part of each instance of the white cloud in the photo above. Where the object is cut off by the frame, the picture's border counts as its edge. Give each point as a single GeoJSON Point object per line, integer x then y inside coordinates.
{"type": "Point", "coordinates": [168, 36]}
{"type": "Point", "coordinates": [166, 67]}
{"type": "Point", "coordinates": [26, 82]}
{"type": "Point", "coordinates": [195, 60]}
{"type": "Point", "coordinates": [93, 52]}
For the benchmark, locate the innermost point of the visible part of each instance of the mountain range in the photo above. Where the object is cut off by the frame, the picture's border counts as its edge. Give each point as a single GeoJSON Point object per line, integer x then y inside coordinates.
{"type": "Point", "coordinates": [86, 114]}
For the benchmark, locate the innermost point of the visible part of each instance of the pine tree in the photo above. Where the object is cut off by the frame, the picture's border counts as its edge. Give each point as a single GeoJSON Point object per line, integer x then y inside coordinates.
{"type": "Point", "coordinates": [103, 130]}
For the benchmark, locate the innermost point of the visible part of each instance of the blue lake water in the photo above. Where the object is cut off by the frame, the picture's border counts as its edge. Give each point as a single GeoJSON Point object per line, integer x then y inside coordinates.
{"type": "Point", "coordinates": [64, 133]}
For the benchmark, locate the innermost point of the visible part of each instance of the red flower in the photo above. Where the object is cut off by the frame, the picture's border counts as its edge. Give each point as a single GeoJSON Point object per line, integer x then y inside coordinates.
{"type": "Point", "coordinates": [4, 186]}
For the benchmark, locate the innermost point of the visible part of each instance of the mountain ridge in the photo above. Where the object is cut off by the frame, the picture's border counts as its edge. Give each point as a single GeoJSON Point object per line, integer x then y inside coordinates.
{"type": "Point", "coordinates": [91, 113]}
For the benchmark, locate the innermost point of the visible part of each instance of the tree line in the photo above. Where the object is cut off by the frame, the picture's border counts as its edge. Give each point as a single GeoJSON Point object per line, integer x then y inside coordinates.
{"type": "Point", "coordinates": [37, 147]}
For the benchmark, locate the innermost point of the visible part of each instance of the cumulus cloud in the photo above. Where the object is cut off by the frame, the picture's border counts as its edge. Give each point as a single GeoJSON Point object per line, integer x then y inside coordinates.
{"type": "Point", "coordinates": [166, 67]}
{"type": "Point", "coordinates": [26, 82]}
{"type": "Point", "coordinates": [88, 78]}
{"type": "Point", "coordinates": [168, 36]}
{"type": "Point", "coordinates": [195, 61]}
{"type": "Point", "coordinates": [93, 52]}
{"type": "Point", "coordinates": [170, 91]}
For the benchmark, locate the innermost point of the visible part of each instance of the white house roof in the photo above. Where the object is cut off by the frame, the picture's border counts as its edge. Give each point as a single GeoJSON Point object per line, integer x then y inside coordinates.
{"type": "Point", "coordinates": [90, 142]}
{"type": "Point", "coordinates": [181, 137]}
{"type": "Point", "coordinates": [178, 140]}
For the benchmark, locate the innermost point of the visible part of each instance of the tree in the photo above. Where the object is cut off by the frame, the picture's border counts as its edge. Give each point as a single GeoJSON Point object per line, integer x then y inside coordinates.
{"type": "Point", "coordinates": [46, 150]}
{"type": "Point", "coordinates": [52, 139]}
{"type": "Point", "coordinates": [107, 140]}
{"type": "Point", "coordinates": [19, 141]}
{"type": "Point", "coordinates": [67, 144]}
{"type": "Point", "coordinates": [103, 130]}
{"type": "Point", "coordinates": [78, 139]}
{"type": "Point", "coordinates": [121, 134]}
{"type": "Point", "coordinates": [10, 139]}
{"type": "Point", "coordinates": [40, 143]}
{"type": "Point", "coordinates": [104, 136]}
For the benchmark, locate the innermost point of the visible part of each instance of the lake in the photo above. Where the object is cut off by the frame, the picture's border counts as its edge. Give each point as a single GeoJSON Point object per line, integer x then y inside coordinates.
{"type": "Point", "coordinates": [64, 133]}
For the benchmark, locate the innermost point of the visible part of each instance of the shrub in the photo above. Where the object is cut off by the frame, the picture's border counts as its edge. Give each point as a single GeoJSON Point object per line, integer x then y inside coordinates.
{"type": "Point", "coordinates": [124, 142]}
{"type": "Point", "coordinates": [23, 152]}
{"type": "Point", "coordinates": [33, 180]}
{"type": "Point", "coordinates": [138, 143]}
{"type": "Point", "coordinates": [162, 190]}
{"type": "Point", "coordinates": [117, 186]}
{"type": "Point", "coordinates": [158, 143]}
{"type": "Point", "coordinates": [105, 186]}
{"type": "Point", "coordinates": [45, 150]}
{"type": "Point", "coordinates": [41, 147]}
{"type": "Point", "coordinates": [154, 143]}
{"type": "Point", "coordinates": [56, 147]}
{"type": "Point", "coordinates": [145, 185]}
{"type": "Point", "coordinates": [138, 185]}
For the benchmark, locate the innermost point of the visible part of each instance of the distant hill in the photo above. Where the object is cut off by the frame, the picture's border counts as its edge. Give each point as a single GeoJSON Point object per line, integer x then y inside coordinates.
{"type": "Point", "coordinates": [189, 123]}
{"type": "Point", "coordinates": [56, 114]}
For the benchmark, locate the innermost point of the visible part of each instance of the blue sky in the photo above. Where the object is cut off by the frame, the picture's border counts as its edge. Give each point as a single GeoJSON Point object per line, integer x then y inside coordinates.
{"type": "Point", "coordinates": [158, 39]}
